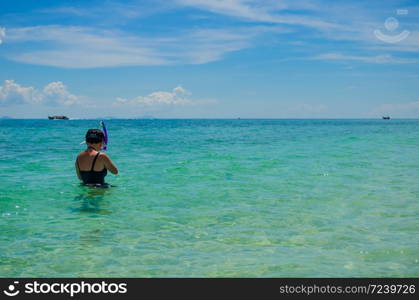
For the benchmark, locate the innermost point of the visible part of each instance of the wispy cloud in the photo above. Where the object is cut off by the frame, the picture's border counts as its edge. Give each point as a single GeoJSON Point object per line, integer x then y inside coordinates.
{"type": "Point", "coordinates": [81, 47]}
{"type": "Point", "coordinates": [261, 11]}
{"type": "Point", "coordinates": [12, 93]}
{"type": "Point", "coordinates": [104, 44]}
{"type": "Point", "coordinates": [67, 10]}
{"type": "Point", "coordinates": [2, 34]}
{"type": "Point", "coordinates": [406, 109]}
{"type": "Point", "coordinates": [336, 21]}
{"type": "Point", "coordinates": [111, 11]}
{"type": "Point", "coordinates": [378, 59]}
{"type": "Point", "coordinates": [401, 106]}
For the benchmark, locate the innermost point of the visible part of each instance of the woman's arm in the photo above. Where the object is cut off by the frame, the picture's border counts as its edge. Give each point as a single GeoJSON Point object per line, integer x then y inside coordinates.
{"type": "Point", "coordinates": [109, 164]}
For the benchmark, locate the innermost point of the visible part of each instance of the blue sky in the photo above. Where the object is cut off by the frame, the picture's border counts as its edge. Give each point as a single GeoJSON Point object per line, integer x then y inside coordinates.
{"type": "Point", "coordinates": [209, 58]}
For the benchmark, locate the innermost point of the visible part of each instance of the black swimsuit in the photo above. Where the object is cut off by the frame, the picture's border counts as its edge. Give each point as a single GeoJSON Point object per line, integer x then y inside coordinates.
{"type": "Point", "coordinates": [93, 177]}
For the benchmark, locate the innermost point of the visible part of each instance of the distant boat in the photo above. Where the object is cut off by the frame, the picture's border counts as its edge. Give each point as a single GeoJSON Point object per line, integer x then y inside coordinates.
{"type": "Point", "coordinates": [386, 118]}
{"type": "Point", "coordinates": [58, 118]}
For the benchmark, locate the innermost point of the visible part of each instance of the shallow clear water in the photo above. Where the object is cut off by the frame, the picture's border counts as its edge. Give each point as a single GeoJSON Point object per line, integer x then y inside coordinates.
{"type": "Point", "coordinates": [205, 198]}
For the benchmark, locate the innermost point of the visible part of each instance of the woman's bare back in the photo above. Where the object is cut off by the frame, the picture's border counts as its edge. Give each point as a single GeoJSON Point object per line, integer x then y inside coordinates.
{"type": "Point", "coordinates": [85, 160]}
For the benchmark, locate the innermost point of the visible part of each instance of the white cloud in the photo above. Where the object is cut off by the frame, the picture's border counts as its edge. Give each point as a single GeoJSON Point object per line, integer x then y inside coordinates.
{"type": "Point", "coordinates": [2, 34]}
{"type": "Point", "coordinates": [261, 11]}
{"type": "Point", "coordinates": [89, 47]}
{"type": "Point", "coordinates": [378, 59]}
{"type": "Point", "coordinates": [56, 92]}
{"type": "Point", "coordinates": [178, 96]}
{"type": "Point", "coordinates": [66, 10]}
{"type": "Point", "coordinates": [112, 11]}
{"type": "Point", "coordinates": [53, 93]}
{"type": "Point", "coordinates": [339, 21]}
{"type": "Point", "coordinates": [82, 47]}
{"type": "Point", "coordinates": [13, 93]}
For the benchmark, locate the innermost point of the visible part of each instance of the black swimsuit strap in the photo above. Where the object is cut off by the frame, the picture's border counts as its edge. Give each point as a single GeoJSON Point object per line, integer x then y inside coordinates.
{"type": "Point", "coordinates": [94, 161]}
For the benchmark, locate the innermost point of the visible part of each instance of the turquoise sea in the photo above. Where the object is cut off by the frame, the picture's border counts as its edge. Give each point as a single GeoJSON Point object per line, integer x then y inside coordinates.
{"type": "Point", "coordinates": [213, 198]}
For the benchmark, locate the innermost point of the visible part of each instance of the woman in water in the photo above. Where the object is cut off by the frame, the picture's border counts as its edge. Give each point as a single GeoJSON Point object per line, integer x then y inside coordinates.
{"type": "Point", "coordinates": [91, 164]}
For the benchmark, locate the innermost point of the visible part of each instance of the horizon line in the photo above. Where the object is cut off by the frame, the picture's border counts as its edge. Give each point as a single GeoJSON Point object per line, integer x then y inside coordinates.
{"type": "Point", "coordinates": [227, 118]}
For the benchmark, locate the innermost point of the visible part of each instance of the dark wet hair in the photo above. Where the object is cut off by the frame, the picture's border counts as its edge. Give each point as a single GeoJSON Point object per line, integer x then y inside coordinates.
{"type": "Point", "coordinates": [94, 136]}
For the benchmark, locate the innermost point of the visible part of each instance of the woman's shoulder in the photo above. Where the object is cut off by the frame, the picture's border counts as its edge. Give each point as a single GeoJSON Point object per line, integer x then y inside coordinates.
{"type": "Point", "coordinates": [103, 155]}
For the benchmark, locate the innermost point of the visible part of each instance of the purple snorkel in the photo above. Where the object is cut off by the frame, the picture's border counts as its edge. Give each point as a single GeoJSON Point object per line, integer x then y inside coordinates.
{"type": "Point", "coordinates": [105, 133]}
